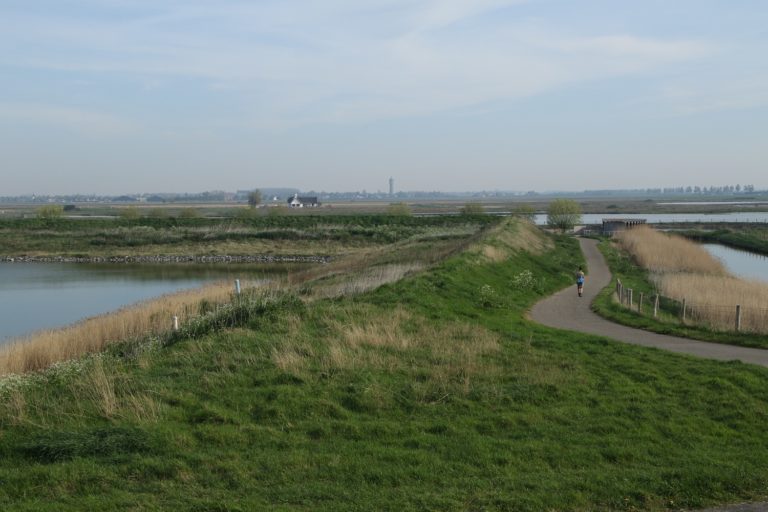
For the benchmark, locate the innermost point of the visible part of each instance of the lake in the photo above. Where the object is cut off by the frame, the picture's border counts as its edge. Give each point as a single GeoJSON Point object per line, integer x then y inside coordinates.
{"type": "Point", "coordinates": [35, 296]}
{"type": "Point", "coordinates": [744, 264]}
{"type": "Point", "coordinates": [657, 218]}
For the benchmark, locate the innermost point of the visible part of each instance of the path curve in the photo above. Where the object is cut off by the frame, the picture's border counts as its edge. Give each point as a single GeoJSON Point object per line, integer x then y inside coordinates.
{"type": "Point", "coordinates": [565, 310]}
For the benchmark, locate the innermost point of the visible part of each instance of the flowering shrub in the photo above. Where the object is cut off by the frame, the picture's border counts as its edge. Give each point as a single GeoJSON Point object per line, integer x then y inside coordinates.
{"type": "Point", "coordinates": [524, 280]}
{"type": "Point", "coordinates": [488, 297]}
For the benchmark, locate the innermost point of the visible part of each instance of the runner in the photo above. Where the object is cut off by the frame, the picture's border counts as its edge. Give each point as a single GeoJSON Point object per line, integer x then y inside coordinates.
{"type": "Point", "coordinates": [580, 281]}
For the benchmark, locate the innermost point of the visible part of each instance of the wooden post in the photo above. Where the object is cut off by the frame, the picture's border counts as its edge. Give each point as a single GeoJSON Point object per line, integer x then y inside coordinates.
{"type": "Point", "coordinates": [237, 286]}
{"type": "Point", "coordinates": [683, 310]}
{"type": "Point", "coordinates": [738, 317]}
{"type": "Point", "coordinates": [640, 304]}
{"type": "Point", "coordinates": [656, 306]}
{"type": "Point", "coordinates": [631, 291]}
{"type": "Point", "coordinates": [175, 323]}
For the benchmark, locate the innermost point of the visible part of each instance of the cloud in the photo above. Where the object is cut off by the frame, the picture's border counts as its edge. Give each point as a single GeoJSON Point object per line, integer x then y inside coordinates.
{"type": "Point", "coordinates": [296, 61]}
{"type": "Point", "coordinates": [82, 121]}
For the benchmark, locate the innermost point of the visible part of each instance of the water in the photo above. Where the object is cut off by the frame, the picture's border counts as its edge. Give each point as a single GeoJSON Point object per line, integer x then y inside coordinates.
{"type": "Point", "coordinates": [35, 296]}
{"type": "Point", "coordinates": [744, 264]}
{"type": "Point", "coordinates": [656, 218]}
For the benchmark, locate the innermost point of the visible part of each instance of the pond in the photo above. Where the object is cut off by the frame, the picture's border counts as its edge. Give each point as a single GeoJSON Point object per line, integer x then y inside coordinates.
{"type": "Point", "coordinates": [35, 296]}
{"type": "Point", "coordinates": [744, 264]}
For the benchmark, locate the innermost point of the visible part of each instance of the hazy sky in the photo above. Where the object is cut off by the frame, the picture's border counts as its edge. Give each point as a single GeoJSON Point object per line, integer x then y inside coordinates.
{"type": "Point", "coordinates": [129, 96]}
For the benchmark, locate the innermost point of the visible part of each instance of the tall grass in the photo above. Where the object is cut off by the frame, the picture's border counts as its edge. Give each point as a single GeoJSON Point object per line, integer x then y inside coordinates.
{"type": "Point", "coordinates": [42, 349]}
{"type": "Point", "coordinates": [364, 338]}
{"type": "Point", "coordinates": [683, 270]}
{"type": "Point", "coordinates": [712, 300]}
{"type": "Point", "coordinates": [661, 252]}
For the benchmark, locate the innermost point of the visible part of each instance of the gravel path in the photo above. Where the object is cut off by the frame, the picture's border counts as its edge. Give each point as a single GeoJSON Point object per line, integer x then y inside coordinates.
{"type": "Point", "coordinates": [565, 310]}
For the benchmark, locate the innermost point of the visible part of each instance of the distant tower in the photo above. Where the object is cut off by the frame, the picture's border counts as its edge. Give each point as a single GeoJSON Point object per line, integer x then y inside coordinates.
{"type": "Point", "coordinates": [391, 186]}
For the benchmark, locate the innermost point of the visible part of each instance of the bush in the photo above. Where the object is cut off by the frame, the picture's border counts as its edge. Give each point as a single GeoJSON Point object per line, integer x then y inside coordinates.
{"type": "Point", "coordinates": [50, 212]}
{"type": "Point", "coordinates": [472, 209]}
{"type": "Point", "coordinates": [563, 214]}
{"type": "Point", "coordinates": [399, 210]}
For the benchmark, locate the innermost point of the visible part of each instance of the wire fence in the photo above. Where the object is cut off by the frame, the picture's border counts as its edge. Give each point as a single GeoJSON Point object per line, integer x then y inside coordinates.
{"type": "Point", "coordinates": [718, 317]}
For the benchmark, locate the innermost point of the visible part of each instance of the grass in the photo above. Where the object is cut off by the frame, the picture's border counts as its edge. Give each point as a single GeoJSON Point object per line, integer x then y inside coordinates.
{"type": "Point", "coordinates": [749, 238]}
{"type": "Point", "coordinates": [304, 235]}
{"type": "Point", "coordinates": [418, 395]}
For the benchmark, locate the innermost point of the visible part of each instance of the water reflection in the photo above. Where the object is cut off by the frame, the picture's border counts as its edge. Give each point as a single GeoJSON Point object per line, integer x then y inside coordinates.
{"type": "Point", "coordinates": [745, 264]}
{"type": "Point", "coordinates": [36, 296]}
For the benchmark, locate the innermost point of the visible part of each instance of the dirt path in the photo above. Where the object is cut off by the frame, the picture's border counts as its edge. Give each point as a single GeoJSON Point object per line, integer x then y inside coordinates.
{"type": "Point", "coordinates": [565, 310]}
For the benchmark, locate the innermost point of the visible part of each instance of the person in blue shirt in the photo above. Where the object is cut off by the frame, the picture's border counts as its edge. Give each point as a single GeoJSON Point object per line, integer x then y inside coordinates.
{"type": "Point", "coordinates": [580, 281]}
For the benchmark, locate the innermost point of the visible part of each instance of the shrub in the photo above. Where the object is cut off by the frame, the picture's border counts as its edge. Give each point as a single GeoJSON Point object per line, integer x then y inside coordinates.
{"type": "Point", "coordinates": [399, 210]}
{"type": "Point", "coordinates": [50, 212]}
{"type": "Point", "coordinates": [563, 214]}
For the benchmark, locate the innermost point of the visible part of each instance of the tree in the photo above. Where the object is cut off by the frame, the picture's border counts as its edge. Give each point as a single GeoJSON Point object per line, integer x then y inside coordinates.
{"type": "Point", "coordinates": [525, 212]}
{"type": "Point", "coordinates": [50, 212]}
{"type": "Point", "coordinates": [563, 214]}
{"type": "Point", "coordinates": [254, 198]}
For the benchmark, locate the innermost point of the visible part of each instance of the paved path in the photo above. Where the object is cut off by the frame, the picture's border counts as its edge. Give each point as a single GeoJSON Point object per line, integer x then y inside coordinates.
{"type": "Point", "coordinates": [565, 310]}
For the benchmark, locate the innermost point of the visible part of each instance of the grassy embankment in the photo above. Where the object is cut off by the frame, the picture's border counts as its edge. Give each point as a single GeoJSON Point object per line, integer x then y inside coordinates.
{"type": "Point", "coordinates": [651, 262]}
{"type": "Point", "coordinates": [748, 238]}
{"type": "Point", "coordinates": [376, 254]}
{"type": "Point", "coordinates": [288, 235]}
{"type": "Point", "coordinates": [429, 393]}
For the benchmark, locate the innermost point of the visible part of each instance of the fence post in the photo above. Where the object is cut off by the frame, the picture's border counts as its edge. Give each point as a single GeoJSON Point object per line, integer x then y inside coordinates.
{"type": "Point", "coordinates": [175, 323]}
{"type": "Point", "coordinates": [738, 317]}
{"type": "Point", "coordinates": [237, 286]}
{"type": "Point", "coordinates": [631, 291]}
{"type": "Point", "coordinates": [683, 310]}
{"type": "Point", "coordinates": [640, 304]}
{"type": "Point", "coordinates": [656, 306]}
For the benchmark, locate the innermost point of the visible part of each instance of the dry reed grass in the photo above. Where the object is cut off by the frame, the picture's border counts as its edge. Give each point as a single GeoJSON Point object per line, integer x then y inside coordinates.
{"type": "Point", "coordinates": [42, 349]}
{"type": "Point", "coordinates": [509, 237]}
{"type": "Point", "coordinates": [663, 253]}
{"type": "Point", "coordinates": [712, 300]}
{"type": "Point", "coordinates": [367, 339]}
{"type": "Point", "coordinates": [367, 280]}
{"type": "Point", "coordinates": [683, 270]}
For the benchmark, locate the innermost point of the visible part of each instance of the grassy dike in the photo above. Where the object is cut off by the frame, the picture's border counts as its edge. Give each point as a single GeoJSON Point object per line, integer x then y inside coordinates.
{"type": "Point", "coordinates": [432, 393]}
{"type": "Point", "coordinates": [637, 278]}
{"type": "Point", "coordinates": [748, 238]}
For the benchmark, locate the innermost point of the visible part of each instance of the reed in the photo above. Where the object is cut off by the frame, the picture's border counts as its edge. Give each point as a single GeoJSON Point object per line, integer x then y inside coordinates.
{"type": "Point", "coordinates": [683, 270]}
{"type": "Point", "coordinates": [42, 349]}
{"type": "Point", "coordinates": [663, 253]}
{"type": "Point", "coordinates": [712, 300]}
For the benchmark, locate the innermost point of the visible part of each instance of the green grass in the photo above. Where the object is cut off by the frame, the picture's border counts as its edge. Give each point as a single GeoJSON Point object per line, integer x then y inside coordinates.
{"type": "Point", "coordinates": [314, 235]}
{"type": "Point", "coordinates": [749, 238]}
{"type": "Point", "coordinates": [668, 321]}
{"type": "Point", "coordinates": [549, 420]}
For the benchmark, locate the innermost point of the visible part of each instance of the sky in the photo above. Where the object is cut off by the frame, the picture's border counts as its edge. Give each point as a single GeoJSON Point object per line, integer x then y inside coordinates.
{"type": "Point", "coordinates": [138, 96]}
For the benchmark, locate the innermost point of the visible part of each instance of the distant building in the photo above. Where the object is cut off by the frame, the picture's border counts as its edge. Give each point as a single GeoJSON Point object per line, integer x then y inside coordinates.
{"type": "Point", "coordinates": [391, 186]}
{"type": "Point", "coordinates": [303, 202]}
{"type": "Point", "coordinates": [613, 226]}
